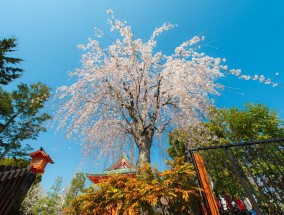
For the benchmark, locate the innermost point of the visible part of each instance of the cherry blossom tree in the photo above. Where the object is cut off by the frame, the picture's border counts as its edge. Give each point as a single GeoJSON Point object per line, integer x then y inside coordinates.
{"type": "Point", "coordinates": [131, 90]}
{"type": "Point", "coordinates": [31, 199]}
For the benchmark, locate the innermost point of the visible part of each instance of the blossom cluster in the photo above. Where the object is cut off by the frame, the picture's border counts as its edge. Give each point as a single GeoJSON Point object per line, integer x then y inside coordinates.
{"type": "Point", "coordinates": [259, 78]}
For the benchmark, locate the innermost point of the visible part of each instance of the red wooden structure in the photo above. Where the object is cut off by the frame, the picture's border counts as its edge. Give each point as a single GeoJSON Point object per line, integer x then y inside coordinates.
{"type": "Point", "coordinates": [39, 161]}
{"type": "Point", "coordinates": [122, 166]}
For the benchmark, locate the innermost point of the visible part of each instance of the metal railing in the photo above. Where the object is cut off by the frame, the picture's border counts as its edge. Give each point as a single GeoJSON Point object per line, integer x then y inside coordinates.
{"type": "Point", "coordinates": [244, 177]}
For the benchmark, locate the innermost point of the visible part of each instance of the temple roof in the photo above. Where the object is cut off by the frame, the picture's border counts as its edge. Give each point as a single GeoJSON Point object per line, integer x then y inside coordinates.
{"type": "Point", "coordinates": [122, 166]}
{"type": "Point", "coordinates": [122, 163]}
{"type": "Point", "coordinates": [43, 153]}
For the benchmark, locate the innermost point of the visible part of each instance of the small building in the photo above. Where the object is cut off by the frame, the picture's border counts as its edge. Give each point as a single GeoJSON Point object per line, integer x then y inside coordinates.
{"type": "Point", "coordinates": [122, 166]}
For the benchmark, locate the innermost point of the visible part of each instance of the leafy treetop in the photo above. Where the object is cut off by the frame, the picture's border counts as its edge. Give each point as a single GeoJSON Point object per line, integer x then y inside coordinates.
{"type": "Point", "coordinates": [7, 71]}
{"type": "Point", "coordinates": [232, 125]}
{"type": "Point", "coordinates": [20, 117]}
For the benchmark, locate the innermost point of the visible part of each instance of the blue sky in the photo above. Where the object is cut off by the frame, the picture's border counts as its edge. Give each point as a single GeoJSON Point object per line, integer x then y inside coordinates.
{"type": "Point", "coordinates": [249, 34]}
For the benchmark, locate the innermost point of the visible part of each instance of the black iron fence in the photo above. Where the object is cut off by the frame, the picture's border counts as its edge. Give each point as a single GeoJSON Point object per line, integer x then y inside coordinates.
{"type": "Point", "coordinates": [246, 178]}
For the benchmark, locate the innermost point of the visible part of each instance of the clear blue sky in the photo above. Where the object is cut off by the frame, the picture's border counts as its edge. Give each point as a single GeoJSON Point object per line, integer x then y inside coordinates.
{"type": "Point", "coordinates": [249, 34]}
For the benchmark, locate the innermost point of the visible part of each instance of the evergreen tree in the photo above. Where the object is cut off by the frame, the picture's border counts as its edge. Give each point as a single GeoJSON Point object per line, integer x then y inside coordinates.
{"type": "Point", "coordinates": [20, 117]}
{"type": "Point", "coordinates": [75, 189]}
{"type": "Point", "coordinates": [7, 71]}
{"type": "Point", "coordinates": [51, 203]}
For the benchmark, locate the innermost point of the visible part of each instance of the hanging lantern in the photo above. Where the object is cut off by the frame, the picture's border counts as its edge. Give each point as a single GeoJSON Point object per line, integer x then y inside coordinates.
{"type": "Point", "coordinates": [39, 161]}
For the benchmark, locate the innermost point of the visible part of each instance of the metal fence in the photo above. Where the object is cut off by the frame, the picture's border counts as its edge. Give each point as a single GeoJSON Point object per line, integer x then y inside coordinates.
{"type": "Point", "coordinates": [243, 178]}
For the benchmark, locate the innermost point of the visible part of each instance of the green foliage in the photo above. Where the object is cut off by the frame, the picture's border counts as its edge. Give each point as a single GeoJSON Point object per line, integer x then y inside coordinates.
{"type": "Point", "coordinates": [177, 140]}
{"type": "Point", "coordinates": [169, 192]}
{"type": "Point", "coordinates": [51, 203]}
{"type": "Point", "coordinates": [6, 106]}
{"type": "Point", "coordinates": [19, 110]}
{"type": "Point", "coordinates": [20, 117]}
{"type": "Point", "coordinates": [255, 122]}
{"type": "Point", "coordinates": [232, 125]}
{"type": "Point", "coordinates": [21, 163]}
{"type": "Point", "coordinates": [76, 187]}
{"type": "Point", "coordinates": [7, 71]}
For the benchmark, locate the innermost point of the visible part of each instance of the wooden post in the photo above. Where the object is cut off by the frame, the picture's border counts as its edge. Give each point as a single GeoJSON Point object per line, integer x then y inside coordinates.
{"type": "Point", "coordinates": [206, 184]}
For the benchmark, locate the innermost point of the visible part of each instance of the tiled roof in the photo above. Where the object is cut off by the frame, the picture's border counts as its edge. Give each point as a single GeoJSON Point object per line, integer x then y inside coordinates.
{"type": "Point", "coordinates": [122, 166]}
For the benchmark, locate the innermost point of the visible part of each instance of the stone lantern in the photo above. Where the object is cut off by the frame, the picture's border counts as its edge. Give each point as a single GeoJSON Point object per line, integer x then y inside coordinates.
{"type": "Point", "coordinates": [39, 161]}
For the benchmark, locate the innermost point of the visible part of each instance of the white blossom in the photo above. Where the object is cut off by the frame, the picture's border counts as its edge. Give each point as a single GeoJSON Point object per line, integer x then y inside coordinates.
{"type": "Point", "coordinates": [261, 78]}
{"type": "Point", "coordinates": [31, 199]}
{"type": "Point", "coordinates": [268, 81]}
{"type": "Point", "coordinates": [129, 92]}
{"type": "Point", "coordinates": [109, 11]}
{"type": "Point", "coordinates": [255, 77]}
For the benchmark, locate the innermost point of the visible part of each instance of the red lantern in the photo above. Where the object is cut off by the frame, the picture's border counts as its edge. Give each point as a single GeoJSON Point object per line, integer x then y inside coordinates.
{"type": "Point", "coordinates": [39, 161]}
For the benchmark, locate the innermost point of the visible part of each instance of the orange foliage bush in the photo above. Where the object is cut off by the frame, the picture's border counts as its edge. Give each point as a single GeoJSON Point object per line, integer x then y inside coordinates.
{"type": "Point", "coordinates": [172, 191]}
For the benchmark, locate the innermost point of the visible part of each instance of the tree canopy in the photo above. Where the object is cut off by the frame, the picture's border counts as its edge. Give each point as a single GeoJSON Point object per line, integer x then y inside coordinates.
{"type": "Point", "coordinates": [51, 203]}
{"type": "Point", "coordinates": [20, 117]}
{"type": "Point", "coordinates": [130, 90]}
{"type": "Point", "coordinates": [231, 125]}
{"type": "Point", "coordinates": [75, 189]}
{"type": "Point", "coordinates": [7, 71]}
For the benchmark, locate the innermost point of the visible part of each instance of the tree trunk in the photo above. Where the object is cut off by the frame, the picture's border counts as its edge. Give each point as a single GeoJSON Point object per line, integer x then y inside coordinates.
{"type": "Point", "coordinates": [144, 146]}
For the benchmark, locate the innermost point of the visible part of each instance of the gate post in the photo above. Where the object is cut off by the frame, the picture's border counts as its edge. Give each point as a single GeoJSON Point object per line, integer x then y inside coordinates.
{"type": "Point", "coordinates": [204, 197]}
